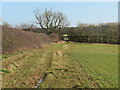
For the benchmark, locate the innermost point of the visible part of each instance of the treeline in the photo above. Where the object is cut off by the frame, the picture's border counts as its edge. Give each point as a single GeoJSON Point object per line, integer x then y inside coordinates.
{"type": "Point", "coordinates": [86, 33]}
{"type": "Point", "coordinates": [50, 21]}
{"type": "Point", "coordinates": [102, 33]}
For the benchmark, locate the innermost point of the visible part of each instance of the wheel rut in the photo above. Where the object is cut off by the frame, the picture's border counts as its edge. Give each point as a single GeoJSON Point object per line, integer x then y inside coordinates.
{"type": "Point", "coordinates": [66, 72]}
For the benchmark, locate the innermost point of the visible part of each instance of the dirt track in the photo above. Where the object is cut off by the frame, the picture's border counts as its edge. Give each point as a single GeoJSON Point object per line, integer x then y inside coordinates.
{"type": "Point", "coordinates": [65, 72]}
{"type": "Point", "coordinates": [51, 64]}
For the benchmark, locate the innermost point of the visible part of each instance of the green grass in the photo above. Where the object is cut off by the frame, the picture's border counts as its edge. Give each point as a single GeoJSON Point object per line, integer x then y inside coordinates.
{"type": "Point", "coordinates": [65, 65]}
{"type": "Point", "coordinates": [100, 61]}
{"type": "Point", "coordinates": [4, 71]}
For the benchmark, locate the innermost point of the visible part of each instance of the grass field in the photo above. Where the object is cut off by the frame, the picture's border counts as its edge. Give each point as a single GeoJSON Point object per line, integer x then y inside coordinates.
{"type": "Point", "coordinates": [63, 65]}
{"type": "Point", "coordinates": [98, 60]}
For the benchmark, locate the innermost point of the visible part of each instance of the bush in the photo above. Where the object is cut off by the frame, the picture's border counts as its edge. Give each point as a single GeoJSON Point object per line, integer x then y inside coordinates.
{"type": "Point", "coordinates": [14, 39]}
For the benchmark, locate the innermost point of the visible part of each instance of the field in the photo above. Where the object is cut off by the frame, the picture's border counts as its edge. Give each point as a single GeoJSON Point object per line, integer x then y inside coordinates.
{"type": "Point", "coordinates": [98, 60]}
{"type": "Point", "coordinates": [62, 65]}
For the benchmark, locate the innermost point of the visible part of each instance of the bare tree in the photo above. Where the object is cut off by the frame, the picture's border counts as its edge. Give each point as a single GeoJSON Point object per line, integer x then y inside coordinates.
{"type": "Point", "coordinates": [26, 26]}
{"type": "Point", "coordinates": [6, 25]}
{"type": "Point", "coordinates": [50, 21]}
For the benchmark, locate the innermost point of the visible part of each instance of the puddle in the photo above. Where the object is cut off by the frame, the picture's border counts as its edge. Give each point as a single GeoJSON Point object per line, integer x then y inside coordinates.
{"type": "Point", "coordinates": [40, 81]}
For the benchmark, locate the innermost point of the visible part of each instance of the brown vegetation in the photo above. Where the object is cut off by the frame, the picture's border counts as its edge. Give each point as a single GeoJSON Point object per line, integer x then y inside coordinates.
{"type": "Point", "coordinates": [14, 39]}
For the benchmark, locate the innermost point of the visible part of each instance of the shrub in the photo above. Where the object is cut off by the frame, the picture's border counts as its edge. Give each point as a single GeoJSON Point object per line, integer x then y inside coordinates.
{"type": "Point", "coordinates": [14, 39]}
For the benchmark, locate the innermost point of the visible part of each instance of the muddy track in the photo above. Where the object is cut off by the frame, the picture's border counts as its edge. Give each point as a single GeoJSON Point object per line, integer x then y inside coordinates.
{"type": "Point", "coordinates": [25, 69]}
{"type": "Point", "coordinates": [50, 68]}
{"type": "Point", "coordinates": [65, 72]}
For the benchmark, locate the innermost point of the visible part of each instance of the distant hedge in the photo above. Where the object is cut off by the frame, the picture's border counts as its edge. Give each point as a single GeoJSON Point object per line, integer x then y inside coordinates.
{"type": "Point", "coordinates": [14, 39]}
{"type": "Point", "coordinates": [102, 33]}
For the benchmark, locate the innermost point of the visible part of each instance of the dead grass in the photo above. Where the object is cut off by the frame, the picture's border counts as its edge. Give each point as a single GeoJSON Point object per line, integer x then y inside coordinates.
{"type": "Point", "coordinates": [25, 70]}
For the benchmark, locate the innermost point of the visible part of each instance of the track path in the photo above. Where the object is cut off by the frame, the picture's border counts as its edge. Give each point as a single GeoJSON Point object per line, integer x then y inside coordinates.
{"type": "Point", "coordinates": [50, 67]}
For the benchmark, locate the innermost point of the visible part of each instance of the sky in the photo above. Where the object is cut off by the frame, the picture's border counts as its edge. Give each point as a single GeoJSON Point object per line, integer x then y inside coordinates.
{"type": "Point", "coordinates": [76, 12]}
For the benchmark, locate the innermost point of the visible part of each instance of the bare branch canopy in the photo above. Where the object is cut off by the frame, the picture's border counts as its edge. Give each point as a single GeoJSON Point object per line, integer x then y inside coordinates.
{"type": "Point", "coordinates": [50, 21]}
